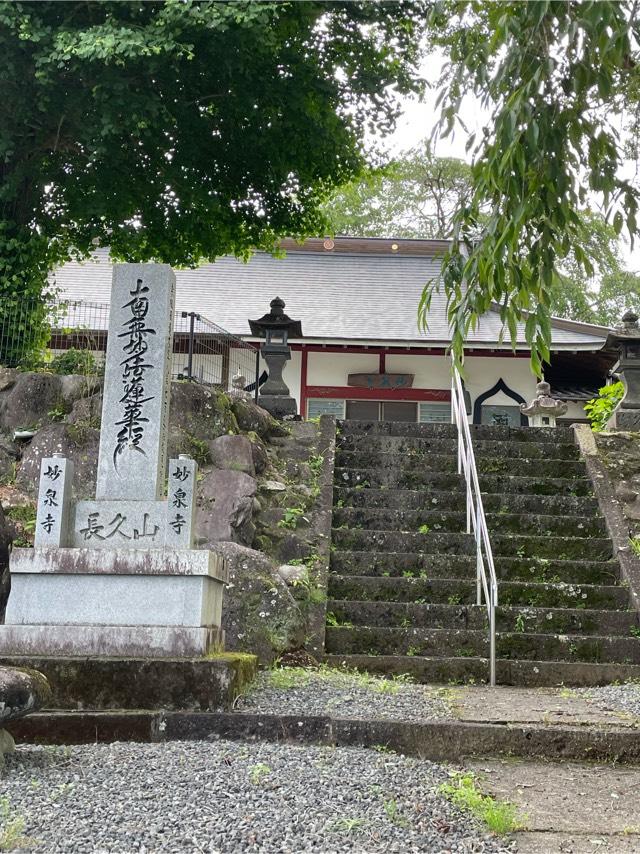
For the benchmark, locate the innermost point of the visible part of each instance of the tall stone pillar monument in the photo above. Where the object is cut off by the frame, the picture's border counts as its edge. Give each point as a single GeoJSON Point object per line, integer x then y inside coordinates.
{"type": "Point", "coordinates": [118, 576]}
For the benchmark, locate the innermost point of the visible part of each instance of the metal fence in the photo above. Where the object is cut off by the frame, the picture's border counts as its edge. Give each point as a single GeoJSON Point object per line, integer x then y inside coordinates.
{"type": "Point", "coordinates": [64, 334]}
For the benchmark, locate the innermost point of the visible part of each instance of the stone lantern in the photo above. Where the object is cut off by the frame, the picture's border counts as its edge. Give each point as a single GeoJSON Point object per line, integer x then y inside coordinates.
{"type": "Point", "coordinates": [543, 409]}
{"type": "Point", "coordinates": [276, 328]}
{"type": "Point", "coordinates": [625, 338]}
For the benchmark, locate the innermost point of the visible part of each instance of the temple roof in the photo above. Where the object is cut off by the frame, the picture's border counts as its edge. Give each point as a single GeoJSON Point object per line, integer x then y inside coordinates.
{"type": "Point", "coordinates": [356, 290]}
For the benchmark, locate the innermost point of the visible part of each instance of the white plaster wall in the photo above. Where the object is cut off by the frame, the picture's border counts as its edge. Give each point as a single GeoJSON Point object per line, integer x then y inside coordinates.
{"type": "Point", "coordinates": [428, 371]}
{"type": "Point", "coordinates": [483, 372]}
{"type": "Point", "coordinates": [333, 368]}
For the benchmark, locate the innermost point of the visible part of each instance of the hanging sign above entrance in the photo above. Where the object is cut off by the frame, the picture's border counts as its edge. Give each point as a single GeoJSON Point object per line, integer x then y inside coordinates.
{"type": "Point", "coordinates": [380, 380]}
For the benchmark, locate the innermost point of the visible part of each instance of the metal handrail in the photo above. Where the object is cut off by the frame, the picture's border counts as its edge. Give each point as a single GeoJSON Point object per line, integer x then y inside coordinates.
{"type": "Point", "coordinates": [486, 580]}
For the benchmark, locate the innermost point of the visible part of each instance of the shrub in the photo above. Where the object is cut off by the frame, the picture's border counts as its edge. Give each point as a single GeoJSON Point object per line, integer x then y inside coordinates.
{"type": "Point", "coordinates": [74, 361]}
{"type": "Point", "coordinates": [600, 408]}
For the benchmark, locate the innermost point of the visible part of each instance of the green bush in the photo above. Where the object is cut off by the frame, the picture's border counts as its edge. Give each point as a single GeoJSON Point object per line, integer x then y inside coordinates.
{"type": "Point", "coordinates": [600, 408]}
{"type": "Point", "coordinates": [74, 361]}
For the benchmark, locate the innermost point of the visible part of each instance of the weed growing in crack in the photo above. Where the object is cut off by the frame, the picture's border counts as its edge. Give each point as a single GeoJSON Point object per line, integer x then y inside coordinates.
{"type": "Point", "coordinates": [501, 817]}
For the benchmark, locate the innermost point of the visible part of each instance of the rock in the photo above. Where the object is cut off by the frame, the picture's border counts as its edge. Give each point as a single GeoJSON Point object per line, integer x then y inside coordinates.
{"type": "Point", "coordinates": [625, 492]}
{"type": "Point", "coordinates": [293, 546]}
{"type": "Point", "coordinates": [259, 614]}
{"type": "Point", "coordinates": [75, 387]}
{"type": "Point", "coordinates": [291, 574]}
{"type": "Point", "coordinates": [5, 578]}
{"type": "Point", "coordinates": [75, 442]}
{"type": "Point", "coordinates": [9, 457]}
{"type": "Point", "coordinates": [8, 377]}
{"type": "Point", "coordinates": [632, 510]}
{"type": "Point", "coordinates": [87, 411]}
{"type": "Point", "coordinates": [225, 507]}
{"type": "Point", "coordinates": [7, 745]}
{"type": "Point", "coordinates": [232, 452]}
{"type": "Point", "coordinates": [196, 415]}
{"type": "Point", "coordinates": [273, 486]}
{"type": "Point", "coordinates": [292, 449]}
{"type": "Point", "coordinates": [21, 692]}
{"type": "Point", "coordinates": [298, 658]}
{"type": "Point", "coordinates": [260, 456]}
{"type": "Point", "coordinates": [252, 418]}
{"type": "Point", "coordinates": [29, 400]}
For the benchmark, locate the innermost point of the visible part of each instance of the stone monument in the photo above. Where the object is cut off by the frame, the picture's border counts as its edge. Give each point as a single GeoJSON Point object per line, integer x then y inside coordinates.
{"type": "Point", "coordinates": [119, 576]}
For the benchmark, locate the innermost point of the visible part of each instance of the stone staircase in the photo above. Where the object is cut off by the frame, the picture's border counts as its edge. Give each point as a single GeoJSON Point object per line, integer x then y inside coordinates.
{"type": "Point", "coordinates": [402, 585]}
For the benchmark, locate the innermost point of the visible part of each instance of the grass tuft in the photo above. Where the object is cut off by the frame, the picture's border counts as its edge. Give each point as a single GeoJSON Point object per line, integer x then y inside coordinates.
{"type": "Point", "coordinates": [501, 817]}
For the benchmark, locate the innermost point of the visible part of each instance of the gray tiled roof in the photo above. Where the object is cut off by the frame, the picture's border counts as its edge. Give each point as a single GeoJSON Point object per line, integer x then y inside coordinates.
{"type": "Point", "coordinates": [352, 296]}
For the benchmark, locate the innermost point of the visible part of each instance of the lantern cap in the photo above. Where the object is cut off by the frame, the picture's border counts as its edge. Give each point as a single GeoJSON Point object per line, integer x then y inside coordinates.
{"type": "Point", "coordinates": [626, 331]}
{"type": "Point", "coordinates": [543, 403]}
{"type": "Point", "coordinates": [276, 319]}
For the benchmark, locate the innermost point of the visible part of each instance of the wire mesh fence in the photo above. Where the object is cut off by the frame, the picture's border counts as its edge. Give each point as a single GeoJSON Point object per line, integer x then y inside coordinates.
{"type": "Point", "coordinates": [71, 336]}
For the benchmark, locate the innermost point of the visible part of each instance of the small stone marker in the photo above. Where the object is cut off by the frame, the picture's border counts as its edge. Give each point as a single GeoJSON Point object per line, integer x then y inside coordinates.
{"type": "Point", "coordinates": [181, 504]}
{"type": "Point", "coordinates": [137, 383]}
{"type": "Point", "coordinates": [54, 502]}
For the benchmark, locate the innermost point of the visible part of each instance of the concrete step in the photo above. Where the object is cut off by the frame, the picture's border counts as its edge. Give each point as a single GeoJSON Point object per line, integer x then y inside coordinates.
{"type": "Point", "coordinates": [523, 646]}
{"type": "Point", "coordinates": [456, 591]}
{"type": "Point", "coordinates": [508, 619]}
{"type": "Point", "coordinates": [419, 564]}
{"type": "Point", "coordinates": [437, 520]}
{"type": "Point", "coordinates": [410, 469]}
{"type": "Point", "coordinates": [476, 669]}
{"type": "Point", "coordinates": [416, 448]}
{"type": "Point", "coordinates": [495, 725]}
{"type": "Point", "coordinates": [533, 483]}
{"type": "Point", "coordinates": [430, 499]}
{"type": "Point", "coordinates": [555, 435]}
{"type": "Point", "coordinates": [525, 547]}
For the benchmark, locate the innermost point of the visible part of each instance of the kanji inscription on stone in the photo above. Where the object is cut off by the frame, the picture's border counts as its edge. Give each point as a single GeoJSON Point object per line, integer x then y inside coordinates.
{"type": "Point", "coordinates": [133, 438]}
{"type": "Point", "coordinates": [54, 503]}
{"type": "Point", "coordinates": [181, 505]}
{"type": "Point", "coordinates": [119, 524]}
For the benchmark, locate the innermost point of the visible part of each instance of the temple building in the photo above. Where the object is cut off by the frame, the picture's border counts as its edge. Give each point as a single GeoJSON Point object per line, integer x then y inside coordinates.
{"type": "Point", "coordinates": [362, 354]}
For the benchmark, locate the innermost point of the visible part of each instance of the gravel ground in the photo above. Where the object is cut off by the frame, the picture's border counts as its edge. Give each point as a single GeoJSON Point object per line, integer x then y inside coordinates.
{"type": "Point", "coordinates": [294, 691]}
{"type": "Point", "coordinates": [230, 797]}
{"type": "Point", "coordinates": [617, 698]}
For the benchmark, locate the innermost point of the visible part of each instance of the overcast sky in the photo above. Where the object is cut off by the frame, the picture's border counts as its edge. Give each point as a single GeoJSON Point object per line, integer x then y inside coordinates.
{"type": "Point", "coordinates": [418, 120]}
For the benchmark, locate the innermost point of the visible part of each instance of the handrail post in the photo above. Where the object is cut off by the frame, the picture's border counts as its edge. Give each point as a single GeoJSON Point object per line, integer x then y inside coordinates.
{"type": "Point", "coordinates": [492, 643]}
{"type": "Point", "coordinates": [479, 566]}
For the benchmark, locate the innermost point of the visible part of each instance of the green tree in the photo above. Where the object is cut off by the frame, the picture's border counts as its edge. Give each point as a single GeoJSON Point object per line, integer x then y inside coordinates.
{"type": "Point", "coordinates": [608, 291]}
{"type": "Point", "coordinates": [552, 75]}
{"type": "Point", "coordinates": [415, 195]}
{"type": "Point", "coordinates": [180, 131]}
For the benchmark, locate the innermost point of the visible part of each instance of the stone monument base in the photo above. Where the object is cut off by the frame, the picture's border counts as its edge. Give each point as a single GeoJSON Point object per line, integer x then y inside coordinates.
{"type": "Point", "coordinates": [191, 684]}
{"type": "Point", "coordinates": [155, 603]}
{"type": "Point", "coordinates": [111, 641]}
{"type": "Point", "coordinates": [279, 405]}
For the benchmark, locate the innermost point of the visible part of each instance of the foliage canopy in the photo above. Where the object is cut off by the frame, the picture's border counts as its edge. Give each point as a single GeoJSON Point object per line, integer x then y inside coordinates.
{"type": "Point", "coordinates": [552, 75]}
{"type": "Point", "coordinates": [179, 131]}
